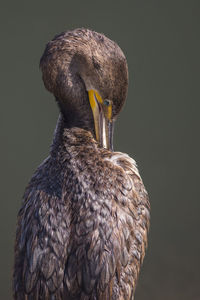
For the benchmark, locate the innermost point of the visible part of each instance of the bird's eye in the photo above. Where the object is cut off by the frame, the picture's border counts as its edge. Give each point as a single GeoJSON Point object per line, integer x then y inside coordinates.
{"type": "Point", "coordinates": [106, 102]}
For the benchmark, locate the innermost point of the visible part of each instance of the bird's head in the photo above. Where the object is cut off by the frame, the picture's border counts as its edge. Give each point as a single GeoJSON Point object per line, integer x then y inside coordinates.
{"type": "Point", "coordinates": [88, 74]}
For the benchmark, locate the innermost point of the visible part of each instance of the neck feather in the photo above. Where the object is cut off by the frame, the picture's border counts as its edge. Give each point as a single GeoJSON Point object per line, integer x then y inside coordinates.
{"type": "Point", "coordinates": [64, 124]}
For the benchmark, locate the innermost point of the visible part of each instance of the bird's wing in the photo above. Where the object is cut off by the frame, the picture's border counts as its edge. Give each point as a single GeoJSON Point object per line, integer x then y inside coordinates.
{"type": "Point", "coordinates": [133, 216]}
{"type": "Point", "coordinates": [41, 239]}
{"type": "Point", "coordinates": [110, 234]}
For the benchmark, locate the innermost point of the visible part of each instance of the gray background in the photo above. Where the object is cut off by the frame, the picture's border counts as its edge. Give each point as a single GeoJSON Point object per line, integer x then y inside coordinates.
{"type": "Point", "coordinates": [158, 126]}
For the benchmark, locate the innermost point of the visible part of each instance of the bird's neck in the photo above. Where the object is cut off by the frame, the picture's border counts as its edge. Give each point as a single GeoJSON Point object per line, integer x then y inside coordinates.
{"type": "Point", "coordinates": [79, 115]}
{"type": "Point", "coordinates": [62, 127]}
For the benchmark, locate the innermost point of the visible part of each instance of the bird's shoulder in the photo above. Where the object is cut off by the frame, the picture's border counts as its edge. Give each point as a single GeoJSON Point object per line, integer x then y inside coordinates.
{"type": "Point", "coordinates": [130, 175]}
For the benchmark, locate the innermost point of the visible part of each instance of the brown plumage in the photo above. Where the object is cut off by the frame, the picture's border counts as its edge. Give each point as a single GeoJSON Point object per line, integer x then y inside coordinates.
{"type": "Point", "coordinates": [82, 228]}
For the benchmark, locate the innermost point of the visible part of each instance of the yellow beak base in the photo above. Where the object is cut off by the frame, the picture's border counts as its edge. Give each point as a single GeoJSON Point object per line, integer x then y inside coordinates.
{"type": "Point", "coordinates": [102, 114]}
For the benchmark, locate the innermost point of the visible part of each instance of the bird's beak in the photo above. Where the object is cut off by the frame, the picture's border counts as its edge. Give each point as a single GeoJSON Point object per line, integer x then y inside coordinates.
{"type": "Point", "coordinates": [104, 125]}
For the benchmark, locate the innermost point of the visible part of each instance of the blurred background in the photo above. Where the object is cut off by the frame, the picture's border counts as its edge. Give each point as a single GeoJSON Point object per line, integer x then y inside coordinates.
{"type": "Point", "coordinates": [159, 125]}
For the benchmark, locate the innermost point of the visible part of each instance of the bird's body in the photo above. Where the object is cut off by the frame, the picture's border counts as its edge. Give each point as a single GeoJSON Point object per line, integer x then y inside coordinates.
{"type": "Point", "coordinates": [82, 228]}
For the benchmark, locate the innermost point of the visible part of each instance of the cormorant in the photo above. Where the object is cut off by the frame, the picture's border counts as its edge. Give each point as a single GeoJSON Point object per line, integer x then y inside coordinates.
{"type": "Point", "coordinates": [82, 228]}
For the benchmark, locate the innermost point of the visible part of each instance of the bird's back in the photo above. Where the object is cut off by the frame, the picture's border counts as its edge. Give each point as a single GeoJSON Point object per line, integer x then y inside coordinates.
{"type": "Point", "coordinates": [82, 228]}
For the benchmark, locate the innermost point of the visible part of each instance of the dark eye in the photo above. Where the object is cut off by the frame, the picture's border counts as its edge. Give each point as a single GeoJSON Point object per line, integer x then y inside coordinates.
{"type": "Point", "coordinates": [106, 102]}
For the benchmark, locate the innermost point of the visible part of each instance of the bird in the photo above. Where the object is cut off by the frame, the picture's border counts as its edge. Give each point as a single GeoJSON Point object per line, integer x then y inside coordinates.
{"type": "Point", "coordinates": [83, 224]}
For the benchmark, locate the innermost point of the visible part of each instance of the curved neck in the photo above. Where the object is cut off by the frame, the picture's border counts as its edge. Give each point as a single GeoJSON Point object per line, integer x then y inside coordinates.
{"type": "Point", "coordinates": [62, 124]}
{"type": "Point", "coordinates": [77, 116]}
